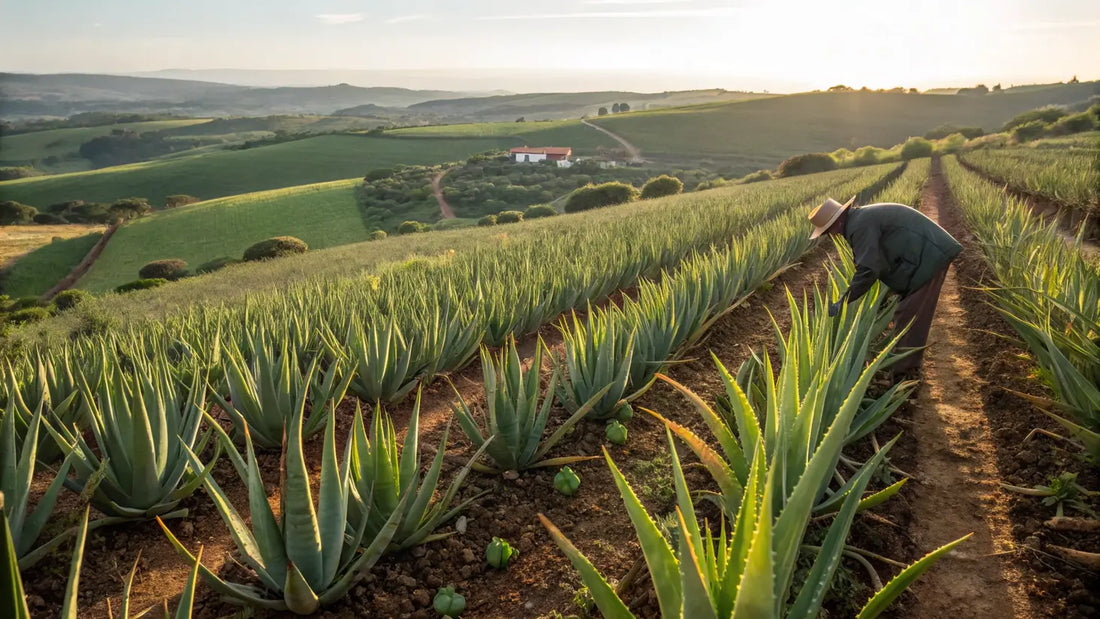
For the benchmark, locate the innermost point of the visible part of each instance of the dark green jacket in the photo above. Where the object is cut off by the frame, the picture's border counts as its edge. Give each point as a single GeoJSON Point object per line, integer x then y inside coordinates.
{"type": "Point", "coordinates": [897, 245]}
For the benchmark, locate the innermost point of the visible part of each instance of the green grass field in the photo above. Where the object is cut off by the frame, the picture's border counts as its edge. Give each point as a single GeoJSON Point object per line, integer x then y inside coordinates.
{"type": "Point", "coordinates": [31, 148]}
{"type": "Point", "coordinates": [220, 173]}
{"type": "Point", "coordinates": [759, 134]}
{"type": "Point", "coordinates": [38, 271]}
{"type": "Point", "coordinates": [583, 140]}
{"type": "Point", "coordinates": [322, 215]}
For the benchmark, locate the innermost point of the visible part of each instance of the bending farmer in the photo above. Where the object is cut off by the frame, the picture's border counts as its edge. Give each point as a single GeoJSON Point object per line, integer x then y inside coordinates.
{"type": "Point", "coordinates": [901, 247]}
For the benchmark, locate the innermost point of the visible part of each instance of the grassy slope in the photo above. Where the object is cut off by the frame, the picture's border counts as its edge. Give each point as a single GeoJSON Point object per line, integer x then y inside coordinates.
{"type": "Point", "coordinates": [38, 271]}
{"type": "Point", "coordinates": [761, 133]}
{"type": "Point", "coordinates": [219, 173]}
{"type": "Point", "coordinates": [584, 140]}
{"type": "Point", "coordinates": [322, 215]}
{"type": "Point", "coordinates": [27, 147]}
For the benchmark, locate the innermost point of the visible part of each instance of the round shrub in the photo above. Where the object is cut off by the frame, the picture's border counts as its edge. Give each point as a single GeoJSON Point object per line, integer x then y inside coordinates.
{"type": "Point", "coordinates": [1074, 123]}
{"type": "Point", "coordinates": [68, 299]}
{"type": "Point", "coordinates": [49, 219]}
{"type": "Point", "coordinates": [809, 163]}
{"type": "Point", "coordinates": [539, 210]}
{"type": "Point", "coordinates": [756, 177]}
{"type": "Point", "coordinates": [141, 284]}
{"type": "Point", "coordinates": [179, 199]}
{"type": "Point", "coordinates": [509, 217]}
{"type": "Point", "coordinates": [30, 314]}
{"type": "Point", "coordinates": [377, 235]}
{"type": "Point", "coordinates": [1029, 131]}
{"type": "Point", "coordinates": [22, 303]}
{"type": "Point", "coordinates": [412, 227]}
{"type": "Point", "coordinates": [216, 264]}
{"type": "Point", "coordinates": [488, 220]}
{"type": "Point", "coordinates": [275, 247]}
{"type": "Point", "coordinates": [915, 148]}
{"type": "Point", "coordinates": [660, 186]}
{"type": "Point", "coordinates": [170, 269]}
{"type": "Point", "coordinates": [597, 196]}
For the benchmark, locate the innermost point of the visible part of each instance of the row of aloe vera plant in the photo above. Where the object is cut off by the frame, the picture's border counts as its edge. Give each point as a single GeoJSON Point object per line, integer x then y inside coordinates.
{"type": "Point", "coordinates": [779, 464]}
{"type": "Point", "coordinates": [157, 406]}
{"type": "Point", "coordinates": [1049, 291]}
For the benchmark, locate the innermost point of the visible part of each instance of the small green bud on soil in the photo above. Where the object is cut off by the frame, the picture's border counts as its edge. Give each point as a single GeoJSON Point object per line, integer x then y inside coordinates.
{"type": "Point", "coordinates": [566, 481]}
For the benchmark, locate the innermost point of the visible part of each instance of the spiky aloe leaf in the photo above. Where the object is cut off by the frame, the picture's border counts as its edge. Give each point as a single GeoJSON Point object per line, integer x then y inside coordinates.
{"type": "Point", "coordinates": [72, 587]}
{"type": "Point", "coordinates": [882, 599]}
{"type": "Point", "coordinates": [12, 601]}
{"type": "Point", "coordinates": [610, 605]}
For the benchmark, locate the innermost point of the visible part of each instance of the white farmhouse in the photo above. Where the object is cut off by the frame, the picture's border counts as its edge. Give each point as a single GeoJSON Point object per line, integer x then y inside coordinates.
{"type": "Point", "coordinates": [527, 154]}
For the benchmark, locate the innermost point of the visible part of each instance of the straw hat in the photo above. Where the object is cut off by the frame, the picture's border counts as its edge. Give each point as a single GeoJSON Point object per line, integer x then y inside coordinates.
{"type": "Point", "coordinates": [826, 215]}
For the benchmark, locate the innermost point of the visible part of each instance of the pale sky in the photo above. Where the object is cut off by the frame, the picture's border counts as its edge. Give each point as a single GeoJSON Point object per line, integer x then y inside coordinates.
{"type": "Point", "coordinates": [741, 44]}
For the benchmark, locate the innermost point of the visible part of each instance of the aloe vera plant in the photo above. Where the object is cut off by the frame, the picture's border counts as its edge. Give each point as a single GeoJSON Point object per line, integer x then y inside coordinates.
{"type": "Point", "coordinates": [386, 476]}
{"type": "Point", "coordinates": [48, 390]}
{"type": "Point", "coordinates": [386, 366]}
{"type": "Point", "coordinates": [18, 464]}
{"type": "Point", "coordinates": [596, 358]}
{"type": "Point", "coordinates": [266, 386]}
{"type": "Point", "coordinates": [310, 555]}
{"type": "Point", "coordinates": [142, 427]}
{"type": "Point", "coordinates": [515, 420]}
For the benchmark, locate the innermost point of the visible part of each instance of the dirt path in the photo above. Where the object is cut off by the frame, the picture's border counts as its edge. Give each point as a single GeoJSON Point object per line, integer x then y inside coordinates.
{"type": "Point", "coordinates": [956, 466]}
{"type": "Point", "coordinates": [80, 269]}
{"type": "Point", "coordinates": [437, 189]}
{"type": "Point", "coordinates": [633, 151]}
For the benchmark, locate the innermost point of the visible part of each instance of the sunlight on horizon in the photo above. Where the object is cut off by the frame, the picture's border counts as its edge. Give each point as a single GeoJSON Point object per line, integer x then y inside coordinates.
{"type": "Point", "coordinates": [667, 44]}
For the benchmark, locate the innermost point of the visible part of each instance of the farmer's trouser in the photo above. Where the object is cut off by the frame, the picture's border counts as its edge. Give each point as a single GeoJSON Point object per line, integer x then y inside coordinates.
{"type": "Point", "coordinates": [917, 309]}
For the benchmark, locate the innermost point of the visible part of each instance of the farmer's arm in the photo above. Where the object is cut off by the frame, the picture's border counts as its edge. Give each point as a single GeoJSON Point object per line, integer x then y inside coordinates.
{"type": "Point", "coordinates": [865, 240]}
{"type": "Point", "coordinates": [861, 282]}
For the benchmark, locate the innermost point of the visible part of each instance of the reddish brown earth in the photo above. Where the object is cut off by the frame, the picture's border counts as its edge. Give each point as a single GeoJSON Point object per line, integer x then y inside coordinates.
{"type": "Point", "coordinates": [444, 208]}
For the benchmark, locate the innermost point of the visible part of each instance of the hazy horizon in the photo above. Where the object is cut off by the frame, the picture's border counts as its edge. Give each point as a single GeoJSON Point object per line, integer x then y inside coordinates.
{"type": "Point", "coordinates": [568, 45]}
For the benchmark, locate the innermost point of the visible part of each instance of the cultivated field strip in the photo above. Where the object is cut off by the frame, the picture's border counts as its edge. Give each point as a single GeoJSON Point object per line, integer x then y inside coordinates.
{"type": "Point", "coordinates": [1050, 294]}
{"type": "Point", "coordinates": [286, 361]}
{"type": "Point", "coordinates": [1069, 177]}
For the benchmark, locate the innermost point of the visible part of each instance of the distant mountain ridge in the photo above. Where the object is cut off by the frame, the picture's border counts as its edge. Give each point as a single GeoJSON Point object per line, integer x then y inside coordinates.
{"type": "Point", "coordinates": [71, 93]}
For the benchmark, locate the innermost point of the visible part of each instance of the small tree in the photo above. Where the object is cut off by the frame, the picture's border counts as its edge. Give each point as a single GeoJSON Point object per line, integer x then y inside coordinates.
{"type": "Point", "coordinates": [15, 213]}
{"type": "Point", "coordinates": [602, 112]}
{"type": "Point", "coordinates": [663, 185]}
{"type": "Point", "coordinates": [488, 220]}
{"type": "Point", "coordinates": [130, 208]}
{"type": "Point", "coordinates": [915, 148]}
{"type": "Point", "coordinates": [377, 235]}
{"type": "Point", "coordinates": [615, 108]}
{"type": "Point", "coordinates": [141, 284]}
{"type": "Point", "coordinates": [806, 164]}
{"type": "Point", "coordinates": [49, 219]}
{"type": "Point", "coordinates": [624, 107]}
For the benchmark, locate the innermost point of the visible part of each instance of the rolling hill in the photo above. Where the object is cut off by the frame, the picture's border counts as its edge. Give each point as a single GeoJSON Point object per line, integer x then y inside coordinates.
{"type": "Point", "coordinates": [322, 215]}
{"type": "Point", "coordinates": [219, 173]}
{"type": "Point", "coordinates": [33, 147]}
{"type": "Point", "coordinates": [759, 134]}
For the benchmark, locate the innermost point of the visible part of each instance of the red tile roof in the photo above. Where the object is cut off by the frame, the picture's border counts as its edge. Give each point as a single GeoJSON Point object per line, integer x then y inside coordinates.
{"type": "Point", "coordinates": [543, 150]}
